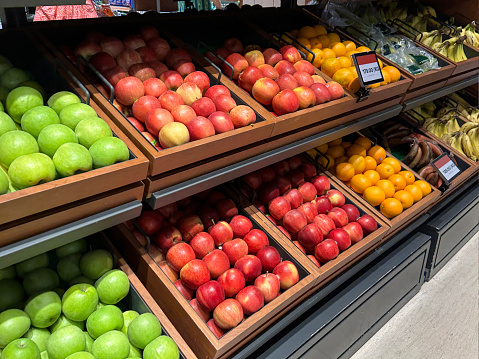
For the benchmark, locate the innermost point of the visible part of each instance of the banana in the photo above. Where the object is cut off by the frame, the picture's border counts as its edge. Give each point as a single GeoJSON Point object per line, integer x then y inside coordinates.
{"type": "Point", "coordinates": [433, 179]}
{"type": "Point", "coordinates": [468, 126]}
{"type": "Point", "coordinates": [416, 158]}
{"type": "Point", "coordinates": [474, 115]}
{"type": "Point", "coordinates": [456, 142]}
{"type": "Point", "coordinates": [467, 146]}
{"type": "Point", "coordinates": [412, 154]}
{"type": "Point", "coordinates": [426, 154]}
{"type": "Point", "coordinates": [425, 171]}
{"type": "Point", "coordinates": [471, 38]}
{"type": "Point", "coordinates": [474, 136]}
{"type": "Point", "coordinates": [435, 148]}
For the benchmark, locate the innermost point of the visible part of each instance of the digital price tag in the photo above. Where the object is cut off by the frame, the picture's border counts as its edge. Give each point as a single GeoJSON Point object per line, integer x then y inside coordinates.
{"type": "Point", "coordinates": [367, 67]}
{"type": "Point", "coordinates": [446, 168]}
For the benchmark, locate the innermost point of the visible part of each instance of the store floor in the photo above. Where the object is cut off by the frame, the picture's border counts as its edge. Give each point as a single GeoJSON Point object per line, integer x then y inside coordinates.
{"type": "Point", "coordinates": [441, 321]}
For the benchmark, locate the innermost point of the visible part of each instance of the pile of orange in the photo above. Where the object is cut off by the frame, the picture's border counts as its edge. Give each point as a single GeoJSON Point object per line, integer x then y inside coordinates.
{"type": "Point", "coordinates": [378, 178]}
{"type": "Point", "coordinates": [333, 56]}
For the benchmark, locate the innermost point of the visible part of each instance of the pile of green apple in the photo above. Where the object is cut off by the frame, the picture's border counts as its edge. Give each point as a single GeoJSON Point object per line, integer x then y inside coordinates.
{"type": "Point", "coordinates": [41, 143]}
{"type": "Point", "coordinates": [39, 319]}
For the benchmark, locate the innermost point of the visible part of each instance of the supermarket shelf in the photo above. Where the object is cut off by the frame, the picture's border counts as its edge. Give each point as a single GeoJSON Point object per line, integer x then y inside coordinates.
{"type": "Point", "coordinates": [215, 178]}
{"type": "Point", "coordinates": [46, 241]}
{"type": "Point", "coordinates": [21, 3]}
{"type": "Point", "coordinates": [408, 105]}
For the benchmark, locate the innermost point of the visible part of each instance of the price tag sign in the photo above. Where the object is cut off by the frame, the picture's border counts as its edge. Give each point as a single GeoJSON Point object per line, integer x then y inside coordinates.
{"type": "Point", "coordinates": [367, 67]}
{"type": "Point", "coordinates": [446, 168]}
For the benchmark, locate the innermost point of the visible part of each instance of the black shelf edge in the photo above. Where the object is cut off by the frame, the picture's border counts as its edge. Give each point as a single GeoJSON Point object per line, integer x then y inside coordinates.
{"type": "Point", "coordinates": [215, 178]}
{"type": "Point", "coordinates": [49, 240]}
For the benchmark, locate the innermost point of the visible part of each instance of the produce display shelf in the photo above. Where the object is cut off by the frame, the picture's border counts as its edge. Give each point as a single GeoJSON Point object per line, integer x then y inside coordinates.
{"type": "Point", "coordinates": [186, 188]}
{"type": "Point", "coordinates": [46, 241]}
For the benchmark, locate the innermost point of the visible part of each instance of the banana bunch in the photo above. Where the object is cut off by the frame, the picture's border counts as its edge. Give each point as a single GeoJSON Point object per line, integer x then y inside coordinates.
{"type": "Point", "coordinates": [465, 141]}
{"type": "Point", "coordinates": [473, 115]}
{"type": "Point", "coordinates": [463, 107]}
{"type": "Point", "coordinates": [442, 126]}
{"type": "Point", "coordinates": [471, 34]}
{"type": "Point", "coordinates": [452, 48]}
{"type": "Point", "coordinates": [430, 38]}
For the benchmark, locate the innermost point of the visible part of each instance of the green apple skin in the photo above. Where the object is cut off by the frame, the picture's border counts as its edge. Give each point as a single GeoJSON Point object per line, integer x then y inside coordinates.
{"type": "Point", "coordinates": [128, 317]}
{"type": "Point", "coordinates": [44, 309]}
{"type": "Point", "coordinates": [22, 348]}
{"type": "Point", "coordinates": [65, 341]}
{"type": "Point", "coordinates": [79, 302]}
{"type": "Point", "coordinates": [63, 321]}
{"type": "Point", "coordinates": [13, 324]}
{"type": "Point", "coordinates": [103, 320]}
{"type": "Point", "coordinates": [143, 330]}
{"type": "Point", "coordinates": [36, 119]}
{"type": "Point", "coordinates": [13, 77]}
{"type": "Point", "coordinates": [162, 347]}
{"type": "Point", "coordinates": [44, 355]}
{"type": "Point", "coordinates": [112, 286]}
{"type": "Point", "coordinates": [107, 151]}
{"type": "Point", "coordinates": [81, 279]}
{"type": "Point", "coordinates": [69, 267]}
{"type": "Point", "coordinates": [2, 109]}
{"type": "Point", "coordinates": [30, 170]}
{"type": "Point", "coordinates": [96, 263]}
{"type": "Point", "coordinates": [101, 305]}
{"type": "Point", "coordinates": [91, 130]}
{"type": "Point", "coordinates": [74, 113]}
{"type": "Point", "coordinates": [28, 265]}
{"type": "Point", "coordinates": [111, 345]}
{"type": "Point", "coordinates": [39, 336]}
{"type": "Point", "coordinates": [62, 99]}
{"type": "Point", "coordinates": [89, 341]}
{"type": "Point", "coordinates": [81, 355]}
{"type": "Point", "coordinates": [22, 99]}
{"type": "Point", "coordinates": [134, 352]}
{"type": "Point", "coordinates": [6, 122]}
{"type": "Point", "coordinates": [14, 144]}
{"type": "Point", "coordinates": [4, 188]}
{"type": "Point", "coordinates": [78, 246]}
{"type": "Point", "coordinates": [40, 280]}
{"type": "Point", "coordinates": [35, 85]}
{"type": "Point", "coordinates": [53, 136]}
{"type": "Point", "coordinates": [12, 293]}
{"type": "Point", "coordinates": [71, 158]}
{"type": "Point", "coordinates": [7, 272]}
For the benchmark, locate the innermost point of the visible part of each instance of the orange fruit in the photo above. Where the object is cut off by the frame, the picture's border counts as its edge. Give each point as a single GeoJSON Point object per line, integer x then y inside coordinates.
{"type": "Point", "coordinates": [330, 66]}
{"type": "Point", "coordinates": [408, 176]}
{"type": "Point", "coordinates": [415, 191]}
{"type": "Point", "coordinates": [318, 57]}
{"type": "Point", "coordinates": [398, 181]}
{"type": "Point", "coordinates": [325, 41]}
{"type": "Point", "coordinates": [394, 164]}
{"type": "Point", "coordinates": [393, 73]}
{"type": "Point", "coordinates": [355, 149]}
{"type": "Point", "coordinates": [358, 163]}
{"type": "Point", "coordinates": [370, 163]}
{"type": "Point", "coordinates": [324, 162]}
{"type": "Point", "coordinates": [359, 183]}
{"type": "Point", "coordinates": [307, 32]}
{"type": "Point", "coordinates": [303, 41]}
{"type": "Point", "coordinates": [349, 53]}
{"type": "Point", "coordinates": [294, 33]}
{"type": "Point", "coordinates": [346, 145]}
{"type": "Point", "coordinates": [387, 187]}
{"type": "Point", "coordinates": [385, 171]}
{"type": "Point", "coordinates": [345, 62]}
{"type": "Point", "coordinates": [373, 86]}
{"type": "Point", "coordinates": [343, 77]}
{"type": "Point", "coordinates": [406, 198]}
{"type": "Point", "coordinates": [339, 49]}
{"type": "Point", "coordinates": [372, 176]}
{"type": "Point", "coordinates": [353, 70]}
{"type": "Point", "coordinates": [391, 207]}
{"type": "Point", "coordinates": [336, 151]}
{"type": "Point", "coordinates": [378, 153]}
{"type": "Point", "coordinates": [362, 49]}
{"type": "Point", "coordinates": [315, 43]}
{"type": "Point", "coordinates": [335, 142]}
{"type": "Point", "coordinates": [349, 45]}
{"type": "Point", "coordinates": [354, 85]}
{"type": "Point", "coordinates": [424, 186]}
{"type": "Point", "coordinates": [380, 63]}
{"type": "Point", "coordinates": [342, 159]}
{"type": "Point", "coordinates": [332, 44]}
{"type": "Point", "coordinates": [363, 141]}
{"type": "Point", "coordinates": [328, 53]}
{"type": "Point", "coordinates": [374, 195]}
{"type": "Point", "coordinates": [333, 37]}
{"type": "Point", "coordinates": [320, 30]}
{"type": "Point", "coordinates": [345, 171]}
{"type": "Point", "coordinates": [387, 79]}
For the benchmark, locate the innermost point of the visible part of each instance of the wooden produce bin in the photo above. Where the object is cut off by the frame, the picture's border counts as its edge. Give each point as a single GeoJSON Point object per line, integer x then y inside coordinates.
{"type": "Point", "coordinates": [221, 149]}
{"type": "Point", "coordinates": [196, 333]}
{"type": "Point", "coordinates": [34, 200]}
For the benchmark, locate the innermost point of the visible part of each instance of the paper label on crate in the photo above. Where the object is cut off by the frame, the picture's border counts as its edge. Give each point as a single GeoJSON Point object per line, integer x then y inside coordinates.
{"type": "Point", "coordinates": [446, 167]}
{"type": "Point", "coordinates": [367, 67]}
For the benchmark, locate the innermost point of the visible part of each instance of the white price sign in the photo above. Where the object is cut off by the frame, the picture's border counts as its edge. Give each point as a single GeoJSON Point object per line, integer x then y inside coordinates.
{"type": "Point", "coordinates": [367, 67]}
{"type": "Point", "coordinates": [446, 167]}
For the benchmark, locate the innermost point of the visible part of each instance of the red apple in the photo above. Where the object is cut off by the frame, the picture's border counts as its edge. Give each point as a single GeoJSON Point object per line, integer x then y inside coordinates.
{"type": "Point", "coordinates": [190, 226]}
{"type": "Point", "coordinates": [283, 183]}
{"type": "Point", "coordinates": [275, 222]}
{"type": "Point", "coordinates": [253, 180]}
{"type": "Point", "coordinates": [167, 237]}
{"type": "Point", "coordinates": [200, 127]}
{"type": "Point", "coordinates": [269, 285]}
{"type": "Point", "coordinates": [339, 217]}
{"type": "Point", "coordinates": [221, 122]}
{"type": "Point", "coordinates": [241, 226]}
{"type": "Point", "coordinates": [238, 62]}
{"type": "Point", "coordinates": [137, 124]}
{"type": "Point", "coordinates": [175, 55]}
{"type": "Point", "coordinates": [226, 208]}
{"type": "Point", "coordinates": [128, 90]}
{"type": "Point", "coordinates": [217, 262]}
{"type": "Point", "coordinates": [256, 240]}
{"type": "Point", "coordinates": [186, 292]}
{"type": "Point", "coordinates": [278, 207]}
{"type": "Point", "coordinates": [152, 139]}
{"type": "Point", "coordinates": [170, 99]}
{"type": "Point", "coordinates": [323, 204]}
{"type": "Point", "coordinates": [294, 221]}
{"type": "Point", "coordinates": [304, 79]}
{"type": "Point", "coordinates": [284, 67]}
{"type": "Point", "coordinates": [313, 259]}
{"type": "Point", "coordinates": [309, 210]}
{"type": "Point", "coordinates": [175, 218]}
{"type": "Point", "coordinates": [272, 56]}
{"type": "Point", "coordinates": [308, 191]}
{"type": "Point", "coordinates": [154, 87]}
{"type": "Point", "coordinates": [224, 103]}
{"type": "Point", "coordinates": [296, 177]}
{"type": "Point", "coordinates": [115, 74]}
{"type": "Point", "coordinates": [290, 54]}
{"type": "Point", "coordinates": [200, 79]}
{"type": "Point", "coordinates": [172, 79]}
{"type": "Point", "coordinates": [194, 274]}
{"type": "Point", "coordinates": [285, 102]}
{"type": "Point", "coordinates": [128, 58]}
{"type": "Point", "coordinates": [304, 66]}
{"type": "Point", "coordinates": [142, 71]}
{"type": "Point", "coordinates": [233, 45]}
{"type": "Point", "coordinates": [189, 92]}
{"type": "Point", "coordinates": [269, 257]}
{"type": "Point", "coordinates": [287, 81]}
{"type": "Point", "coordinates": [156, 119]}
{"type": "Point", "coordinates": [112, 45]}
{"type": "Point", "coordinates": [300, 246]}
{"type": "Point", "coordinates": [251, 299]}
{"type": "Point", "coordinates": [319, 79]}
{"type": "Point", "coordinates": [183, 114]}
{"type": "Point", "coordinates": [160, 47]}
{"type": "Point", "coordinates": [310, 236]}
{"type": "Point", "coordinates": [228, 314]}
{"type": "Point", "coordinates": [355, 231]}
{"type": "Point", "coordinates": [242, 115]}
{"type": "Point", "coordinates": [269, 191]}
{"type": "Point", "coordinates": [158, 67]}
{"type": "Point", "coordinates": [321, 93]}
{"type": "Point", "coordinates": [248, 77]}
{"type": "Point", "coordinates": [264, 90]}
{"type": "Point", "coordinates": [217, 90]}
{"type": "Point", "coordinates": [287, 273]}
{"type": "Point", "coordinates": [352, 212]}
{"type": "Point", "coordinates": [210, 294]}
{"type": "Point", "coordinates": [250, 266]}
{"type": "Point", "coordinates": [335, 89]}
{"type": "Point", "coordinates": [341, 237]}
{"type": "Point", "coordinates": [255, 58]}
{"type": "Point", "coordinates": [306, 97]}
{"type": "Point", "coordinates": [102, 61]}
{"type": "Point", "coordinates": [203, 313]}
{"type": "Point", "coordinates": [147, 54]}
{"type": "Point", "coordinates": [202, 244]}
{"type": "Point", "coordinates": [267, 174]}
{"type": "Point", "coordinates": [269, 71]}
{"type": "Point", "coordinates": [285, 231]}
{"type": "Point", "coordinates": [149, 32]}
{"type": "Point", "coordinates": [217, 331]}
{"type": "Point", "coordinates": [325, 223]}
{"type": "Point", "coordinates": [179, 255]}
{"type": "Point", "coordinates": [150, 222]}
{"type": "Point", "coordinates": [232, 281]}
{"type": "Point", "coordinates": [208, 216]}
{"type": "Point", "coordinates": [309, 171]}
{"type": "Point", "coordinates": [203, 107]}
{"type": "Point", "coordinates": [143, 106]}
{"type": "Point", "coordinates": [132, 42]}
{"type": "Point", "coordinates": [294, 197]}
{"type": "Point", "coordinates": [168, 210]}
{"type": "Point", "coordinates": [367, 223]}
{"type": "Point", "coordinates": [322, 184]}
{"type": "Point", "coordinates": [221, 233]}
{"type": "Point", "coordinates": [214, 196]}
{"type": "Point", "coordinates": [294, 162]}
{"type": "Point", "coordinates": [87, 49]}
{"type": "Point", "coordinates": [326, 250]}
{"type": "Point", "coordinates": [337, 198]}
{"type": "Point", "coordinates": [166, 267]}
{"type": "Point", "coordinates": [183, 67]}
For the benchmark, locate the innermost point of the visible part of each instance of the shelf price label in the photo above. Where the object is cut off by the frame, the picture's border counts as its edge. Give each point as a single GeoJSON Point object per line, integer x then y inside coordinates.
{"type": "Point", "coordinates": [367, 67]}
{"type": "Point", "coordinates": [446, 168]}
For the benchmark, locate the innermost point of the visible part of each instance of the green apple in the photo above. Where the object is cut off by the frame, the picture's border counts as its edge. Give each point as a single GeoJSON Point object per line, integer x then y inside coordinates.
{"type": "Point", "coordinates": [101, 305]}
{"type": "Point", "coordinates": [81, 279]}
{"type": "Point", "coordinates": [12, 293]}
{"type": "Point", "coordinates": [4, 67]}
{"type": "Point", "coordinates": [30, 170]}
{"type": "Point", "coordinates": [13, 77]}
{"type": "Point", "coordinates": [91, 130]}
{"type": "Point", "coordinates": [162, 347]}
{"type": "Point", "coordinates": [103, 320]}
{"type": "Point", "coordinates": [7, 272]}
{"type": "Point", "coordinates": [78, 246]}
{"type": "Point", "coordinates": [22, 99]}
{"type": "Point", "coordinates": [44, 309]}
{"type": "Point", "coordinates": [35, 85]}
{"type": "Point", "coordinates": [63, 321]}
{"type": "Point", "coordinates": [81, 355]}
{"type": "Point", "coordinates": [89, 341]}
{"type": "Point", "coordinates": [96, 263]}
{"type": "Point", "coordinates": [134, 352]}
{"type": "Point", "coordinates": [2, 109]}
{"type": "Point", "coordinates": [79, 302]}
{"type": "Point", "coordinates": [39, 337]}
{"type": "Point", "coordinates": [22, 348]}
{"type": "Point", "coordinates": [72, 158]}
{"type": "Point", "coordinates": [53, 136]}
{"type": "Point", "coordinates": [40, 280]}
{"type": "Point", "coordinates": [14, 144]}
{"type": "Point", "coordinates": [112, 286]}
{"type": "Point", "coordinates": [108, 151]}
{"type": "Point", "coordinates": [143, 330]}
{"type": "Point", "coordinates": [62, 99]}
{"type": "Point", "coordinates": [65, 341]}
{"type": "Point", "coordinates": [4, 188]}
{"type": "Point", "coordinates": [13, 324]}
{"type": "Point", "coordinates": [128, 317]}
{"type": "Point", "coordinates": [44, 355]}
{"type": "Point", "coordinates": [69, 267]}
{"type": "Point", "coordinates": [28, 265]}
{"type": "Point", "coordinates": [74, 113]}
{"type": "Point", "coordinates": [36, 119]}
{"type": "Point", "coordinates": [6, 122]}
{"type": "Point", "coordinates": [3, 95]}
{"type": "Point", "coordinates": [111, 345]}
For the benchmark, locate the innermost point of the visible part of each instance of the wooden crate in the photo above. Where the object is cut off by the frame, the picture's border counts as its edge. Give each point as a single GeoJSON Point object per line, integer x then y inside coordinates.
{"type": "Point", "coordinates": [196, 333]}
